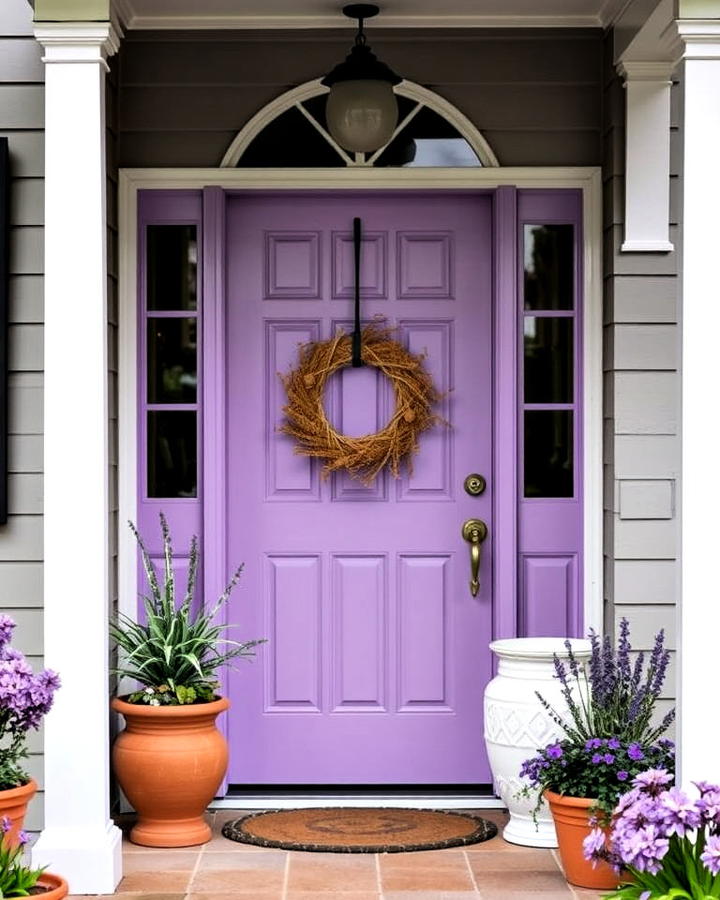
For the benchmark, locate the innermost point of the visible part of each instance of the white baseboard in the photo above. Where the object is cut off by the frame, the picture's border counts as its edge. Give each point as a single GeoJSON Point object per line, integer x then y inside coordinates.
{"type": "Point", "coordinates": [315, 800]}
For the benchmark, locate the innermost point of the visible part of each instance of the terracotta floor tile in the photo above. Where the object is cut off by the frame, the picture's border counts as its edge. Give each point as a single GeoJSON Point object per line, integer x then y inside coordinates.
{"type": "Point", "coordinates": [325, 872]}
{"type": "Point", "coordinates": [519, 859]}
{"type": "Point", "coordinates": [160, 861]}
{"type": "Point", "coordinates": [154, 882]}
{"type": "Point", "coordinates": [237, 895]}
{"type": "Point", "coordinates": [140, 896]}
{"type": "Point", "coordinates": [335, 895]}
{"type": "Point", "coordinates": [512, 880]}
{"type": "Point", "coordinates": [430, 895]}
{"type": "Point", "coordinates": [230, 873]}
{"type": "Point", "coordinates": [426, 871]}
{"type": "Point", "coordinates": [216, 861]}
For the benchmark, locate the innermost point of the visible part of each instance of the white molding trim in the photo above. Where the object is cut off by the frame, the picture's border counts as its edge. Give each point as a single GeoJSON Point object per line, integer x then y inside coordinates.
{"type": "Point", "coordinates": [314, 88]}
{"type": "Point", "coordinates": [79, 838]}
{"type": "Point", "coordinates": [203, 21]}
{"type": "Point", "coordinates": [699, 491]}
{"type": "Point", "coordinates": [593, 515]}
{"type": "Point", "coordinates": [364, 801]}
{"type": "Point", "coordinates": [588, 179]}
{"type": "Point", "coordinates": [647, 155]}
{"type": "Point", "coordinates": [77, 42]}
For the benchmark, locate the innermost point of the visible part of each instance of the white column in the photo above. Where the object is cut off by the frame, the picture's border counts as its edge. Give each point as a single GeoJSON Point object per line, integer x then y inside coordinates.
{"type": "Point", "coordinates": [79, 840]}
{"type": "Point", "coordinates": [647, 155]}
{"type": "Point", "coordinates": [700, 598]}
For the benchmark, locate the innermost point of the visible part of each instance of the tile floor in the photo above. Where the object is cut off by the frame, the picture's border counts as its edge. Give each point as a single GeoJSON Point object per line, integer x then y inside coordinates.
{"type": "Point", "coordinates": [225, 870]}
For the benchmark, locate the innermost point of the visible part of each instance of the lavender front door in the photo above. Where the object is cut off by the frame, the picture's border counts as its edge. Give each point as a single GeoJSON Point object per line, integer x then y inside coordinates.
{"type": "Point", "coordinates": [377, 653]}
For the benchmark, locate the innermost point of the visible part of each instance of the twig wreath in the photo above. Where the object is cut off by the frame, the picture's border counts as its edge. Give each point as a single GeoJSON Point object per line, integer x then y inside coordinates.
{"type": "Point", "coordinates": [363, 457]}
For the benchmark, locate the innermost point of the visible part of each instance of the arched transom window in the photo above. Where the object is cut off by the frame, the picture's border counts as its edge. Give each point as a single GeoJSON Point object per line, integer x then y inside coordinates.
{"type": "Point", "coordinates": [291, 132]}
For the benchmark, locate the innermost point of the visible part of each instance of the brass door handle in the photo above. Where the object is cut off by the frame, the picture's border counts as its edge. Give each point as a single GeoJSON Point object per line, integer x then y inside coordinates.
{"type": "Point", "coordinates": [474, 531]}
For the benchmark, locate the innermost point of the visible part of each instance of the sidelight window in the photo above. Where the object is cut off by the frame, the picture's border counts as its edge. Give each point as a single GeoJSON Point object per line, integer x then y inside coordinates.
{"type": "Point", "coordinates": [548, 383]}
{"type": "Point", "coordinates": [170, 344]}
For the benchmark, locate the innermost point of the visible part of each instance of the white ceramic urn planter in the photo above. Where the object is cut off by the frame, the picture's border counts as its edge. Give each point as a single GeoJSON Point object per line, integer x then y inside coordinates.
{"type": "Point", "coordinates": [517, 725]}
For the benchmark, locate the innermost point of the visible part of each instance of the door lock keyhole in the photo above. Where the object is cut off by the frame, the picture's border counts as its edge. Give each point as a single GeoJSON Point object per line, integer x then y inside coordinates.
{"type": "Point", "coordinates": [475, 484]}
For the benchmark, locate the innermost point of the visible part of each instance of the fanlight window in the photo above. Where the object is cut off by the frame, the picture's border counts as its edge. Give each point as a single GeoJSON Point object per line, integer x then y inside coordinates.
{"type": "Point", "coordinates": [291, 133]}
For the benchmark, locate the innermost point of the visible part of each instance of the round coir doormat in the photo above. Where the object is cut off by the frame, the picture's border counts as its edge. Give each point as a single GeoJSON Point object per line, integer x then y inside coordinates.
{"type": "Point", "coordinates": [353, 830]}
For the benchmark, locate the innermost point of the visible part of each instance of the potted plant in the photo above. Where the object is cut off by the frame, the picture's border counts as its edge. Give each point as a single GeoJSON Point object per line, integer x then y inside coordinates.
{"type": "Point", "coordinates": [19, 880]}
{"type": "Point", "coordinates": [25, 697]}
{"type": "Point", "coordinates": [664, 843]}
{"type": "Point", "coordinates": [609, 739]}
{"type": "Point", "coordinates": [171, 758]}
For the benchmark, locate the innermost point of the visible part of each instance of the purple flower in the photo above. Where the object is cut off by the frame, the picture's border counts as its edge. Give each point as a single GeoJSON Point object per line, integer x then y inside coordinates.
{"type": "Point", "coordinates": [613, 744]}
{"type": "Point", "coordinates": [7, 626]}
{"type": "Point", "coordinates": [593, 844]}
{"type": "Point", "coordinates": [705, 787]}
{"type": "Point", "coordinates": [23, 838]}
{"type": "Point", "coordinates": [709, 805]}
{"type": "Point", "coordinates": [635, 752]}
{"type": "Point", "coordinates": [622, 776]}
{"type": "Point", "coordinates": [554, 751]}
{"type": "Point", "coordinates": [593, 744]}
{"type": "Point", "coordinates": [609, 758]}
{"type": "Point", "coordinates": [597, 758]}
{"type": "Point", "coordinates": [679, 811]}
{"type": "Point", "coordinates": [711, 855]}
{"type": "Point", "coordinates": [653, 781]}
{"type": "Point", "coordinates": [5, 824]}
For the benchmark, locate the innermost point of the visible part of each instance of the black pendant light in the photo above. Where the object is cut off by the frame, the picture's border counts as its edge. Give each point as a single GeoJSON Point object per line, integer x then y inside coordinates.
{"type": "Point", "coordinates": [361, 110]}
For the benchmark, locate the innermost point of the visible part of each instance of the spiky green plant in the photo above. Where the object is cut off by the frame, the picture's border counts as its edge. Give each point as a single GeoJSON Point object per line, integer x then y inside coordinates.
{"type": "Point", "coordinates": [176, 653]}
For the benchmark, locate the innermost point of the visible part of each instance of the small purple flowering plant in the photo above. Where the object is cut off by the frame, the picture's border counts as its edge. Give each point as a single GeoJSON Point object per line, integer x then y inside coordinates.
{"type": "Point", "coordinates": [667, 842]}
{"type": "Point", "coordinates": [599, 768]}
{"type": "Point", "coordinates": [610, 736]}
{"type": "Point", "coordinates": [25, 697]}
{"type": "Point", "coordinates": [16, 879]}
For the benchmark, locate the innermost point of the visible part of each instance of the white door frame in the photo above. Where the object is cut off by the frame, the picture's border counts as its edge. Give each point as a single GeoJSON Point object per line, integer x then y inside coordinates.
{"type": "Point", "coordinates": [587, 179]}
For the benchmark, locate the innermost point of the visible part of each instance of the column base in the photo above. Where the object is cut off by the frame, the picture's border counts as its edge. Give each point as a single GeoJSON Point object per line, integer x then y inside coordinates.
{"type": "Point", "coordinates": [89, 858]}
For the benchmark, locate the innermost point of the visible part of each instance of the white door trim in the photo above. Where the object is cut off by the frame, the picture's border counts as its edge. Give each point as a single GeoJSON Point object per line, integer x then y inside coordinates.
{"type": "Point", "coordinates": [587, 179]}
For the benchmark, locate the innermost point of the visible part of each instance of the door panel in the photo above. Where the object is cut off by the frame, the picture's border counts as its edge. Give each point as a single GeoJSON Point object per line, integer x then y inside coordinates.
{"type": "Point", "coordinates": [377, 655]}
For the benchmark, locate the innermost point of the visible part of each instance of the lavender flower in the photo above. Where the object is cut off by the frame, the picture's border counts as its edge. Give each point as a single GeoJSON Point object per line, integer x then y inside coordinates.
{"type": "Point", "coordinates": [593, 844]}
{"type": "Point", "coordinates": [635, 752]}
{"type": "Point", "coordinates": [25, 697]}
{"type": "Point", "coordinates": [680, 813]}
{"type": "Point", "coordinates": [653, 781]}
{"type": "Point", "coordinates": [711, 855]}
{"type": "Point", "coordinates": [709, 805]}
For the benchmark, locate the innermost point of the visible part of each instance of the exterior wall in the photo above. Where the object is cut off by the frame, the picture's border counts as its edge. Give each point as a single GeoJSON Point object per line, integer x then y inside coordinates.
{"type": "Point", "coordinates": [641, 400]}
{"type": "Point", "coordinates": [535, 94]}
{"type": "Point", "coordinates": [21, 541]}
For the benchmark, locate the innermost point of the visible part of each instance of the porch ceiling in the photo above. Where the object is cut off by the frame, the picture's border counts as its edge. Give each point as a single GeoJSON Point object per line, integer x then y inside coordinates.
{"type": "Point", "coordinates": [395, 13]}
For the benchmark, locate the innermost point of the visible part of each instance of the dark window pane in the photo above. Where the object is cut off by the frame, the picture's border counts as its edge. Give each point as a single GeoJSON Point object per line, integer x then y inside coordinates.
{"type": "Point", "coordinates": [172, 360]}
{"type": "Point", "coordinates": [172, 454]}
{"type": "Point", "coordinates": [548, 359]}
{"type": "Point", "coordinates": [427, 140]}
{"type": "Point", "coordinates": [549, 453]}
{"type": "Point", "coordinates": [171, 267]}
{"type": "Point", "coordinates": [290, 140]}
{"type": "Point", "coordinates": [549, 267]}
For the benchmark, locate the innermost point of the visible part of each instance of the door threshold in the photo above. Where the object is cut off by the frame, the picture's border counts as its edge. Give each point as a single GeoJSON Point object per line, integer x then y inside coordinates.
{"type": "Point", "coordinates": [314, 799]}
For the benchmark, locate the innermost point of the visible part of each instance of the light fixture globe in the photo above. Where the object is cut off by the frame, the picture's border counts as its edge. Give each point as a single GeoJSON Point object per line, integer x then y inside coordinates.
{"type": "Point", "coordinates": [361, 111]}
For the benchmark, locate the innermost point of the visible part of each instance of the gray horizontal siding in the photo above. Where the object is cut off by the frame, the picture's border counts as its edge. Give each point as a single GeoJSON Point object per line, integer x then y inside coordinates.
{"type": "Point", "coordinates": [641, 406]}
{"type": "Point", "coordinates": [536, 96]}
{"type": "Point", "coordinates": [21, 540]}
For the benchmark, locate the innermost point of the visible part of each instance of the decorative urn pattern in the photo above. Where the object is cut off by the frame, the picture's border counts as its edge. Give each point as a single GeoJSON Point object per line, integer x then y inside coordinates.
{"type": "Point", "coordinates": [516, 725]}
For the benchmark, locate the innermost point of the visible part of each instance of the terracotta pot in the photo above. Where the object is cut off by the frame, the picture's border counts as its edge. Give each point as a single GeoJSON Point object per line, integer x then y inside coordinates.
{"type": "Point", "coordinates": [14, 804]}
{"type": "Point", "coordinates": [169, 762]}
{"type": "Point", "coordinates": [571, 815]}
{"type": "Point", "coordinates": [55, 887]}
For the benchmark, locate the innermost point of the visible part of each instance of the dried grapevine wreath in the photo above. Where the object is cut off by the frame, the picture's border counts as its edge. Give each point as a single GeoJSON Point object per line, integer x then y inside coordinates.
{"type": "Point", "coordinates": [363, 457]}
